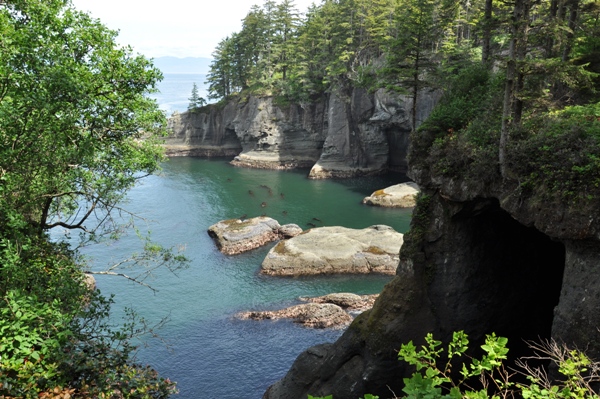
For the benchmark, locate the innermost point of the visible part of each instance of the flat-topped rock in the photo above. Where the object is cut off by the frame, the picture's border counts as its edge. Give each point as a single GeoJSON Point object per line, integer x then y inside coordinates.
{"type": "Point", "coordinates": [401, 195]}
{"type": "Point", "coordinates": [332, 250]}
{"type": "Point", "coordinates": [235, 236]}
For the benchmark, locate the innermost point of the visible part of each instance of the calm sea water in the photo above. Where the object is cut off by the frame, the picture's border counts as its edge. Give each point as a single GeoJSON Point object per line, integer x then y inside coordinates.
{"type": "Point", "coordinates": [176, 89]}
{"type": "Point", "coordinates": [209, 352]}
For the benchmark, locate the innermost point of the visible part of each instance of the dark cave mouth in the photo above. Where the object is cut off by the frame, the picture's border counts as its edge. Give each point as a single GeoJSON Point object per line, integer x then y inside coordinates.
{"type": "Point", "coordinates": [526, 267]}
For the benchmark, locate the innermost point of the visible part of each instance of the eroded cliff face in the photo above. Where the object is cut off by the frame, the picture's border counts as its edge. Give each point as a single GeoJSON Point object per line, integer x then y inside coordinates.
{"type": "Point", "coordinates": [337, 136]}
{"type": "Point", "coordinates": [481, 257]}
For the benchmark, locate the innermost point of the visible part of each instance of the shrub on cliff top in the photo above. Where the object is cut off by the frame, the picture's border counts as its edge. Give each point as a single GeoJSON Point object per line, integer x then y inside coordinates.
{"type": "Point", "coordinates": [559, 156]}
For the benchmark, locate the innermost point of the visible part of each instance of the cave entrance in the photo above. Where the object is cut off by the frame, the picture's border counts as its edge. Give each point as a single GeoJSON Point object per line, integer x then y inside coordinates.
{"type": "Point", "coordinates": [512, 277]}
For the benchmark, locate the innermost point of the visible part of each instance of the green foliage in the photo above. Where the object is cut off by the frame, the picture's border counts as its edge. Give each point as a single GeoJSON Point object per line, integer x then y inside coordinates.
{"type": "Point", "coordinates": [460, 137]}
{"type": "Point", "coordinates": [31, 334]}
{"type": "Point", "coordinates": [436, 375]}
{"type": "Point", "coordinates": [195, 100]}
{"type": "Point", "coordinates": [432, 381]}
{"type": "Point", "coordinates": [560, 158]}
{"type": "Point", "coordinates": [451, 372]}
{"type": "Point", "coordinates": [77, 130]}
{"type": "Point", "coordinates": [73, 113]}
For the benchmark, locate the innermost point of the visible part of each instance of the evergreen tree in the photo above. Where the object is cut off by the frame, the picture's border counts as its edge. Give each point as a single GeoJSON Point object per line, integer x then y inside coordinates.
{"type": "Point", "coordinates": [411, 49]}
{"type": "Point", "coordinates": [195, 100]}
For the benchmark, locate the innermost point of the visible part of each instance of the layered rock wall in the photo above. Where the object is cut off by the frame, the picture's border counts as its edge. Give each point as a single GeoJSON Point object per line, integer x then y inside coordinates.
{"type": "Point", "coordinates": [337, 136]}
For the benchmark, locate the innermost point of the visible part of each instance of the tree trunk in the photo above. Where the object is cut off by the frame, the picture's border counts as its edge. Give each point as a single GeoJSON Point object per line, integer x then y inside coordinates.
{"type": "Point", "coordinates": [487, 33]}
{"type": "Point", "coordinates": [512, 107]}
{"type": "Point", "coordinates": [573, 16]}
{"type": "Point", "coordinates": [522, 21]}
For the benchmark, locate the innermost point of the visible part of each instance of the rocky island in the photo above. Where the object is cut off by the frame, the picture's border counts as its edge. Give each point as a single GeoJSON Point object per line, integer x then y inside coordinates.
{"type": "Point", "coordinates": [334, 250]}
{"type": "Point", "coordinates": [234, 236]}
{"type": "Point", "coordinates": [328, 311]}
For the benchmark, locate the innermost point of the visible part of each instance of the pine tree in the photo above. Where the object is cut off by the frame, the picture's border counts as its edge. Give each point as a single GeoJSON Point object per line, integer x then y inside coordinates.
{"type": "Point", "coordinates": [195, 100]}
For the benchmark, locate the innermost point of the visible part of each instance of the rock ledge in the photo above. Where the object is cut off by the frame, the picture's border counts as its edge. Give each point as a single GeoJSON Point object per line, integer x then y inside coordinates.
{"type": "Point", "coordinates": [329, 311]}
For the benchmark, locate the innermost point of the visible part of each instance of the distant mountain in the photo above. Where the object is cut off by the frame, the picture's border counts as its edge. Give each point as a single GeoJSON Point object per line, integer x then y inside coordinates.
{"type": "Point", "coordinates": [183, 65]}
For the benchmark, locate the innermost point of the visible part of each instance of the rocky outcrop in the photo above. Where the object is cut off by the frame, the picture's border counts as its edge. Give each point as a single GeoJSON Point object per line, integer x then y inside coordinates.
{"type": "Point", "coordinates": [314, 315]}
{"type": "Point", "coordinates": [235, 236]}
{"type": "Point", "coordinates": [90, 281]}
{"type": "Point", "coordinates": [340, 135]}
{"type": "Point", "coordinates": [483, 256]}
{"type": "Point", "coordinates": [332, 250]}
{"type": "Point", "coordinates": [201, 134]}
{"type": "Point", "coordinates": [345, 300]}
{"type": "Point", "coordinates": [401, 195]}
{"type": "Point", "coordinates": [328, 311]}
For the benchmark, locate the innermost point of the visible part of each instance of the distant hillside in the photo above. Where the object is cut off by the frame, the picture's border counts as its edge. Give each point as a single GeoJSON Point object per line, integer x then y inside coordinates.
{"type": "Point", "coordinates": [183, 65]}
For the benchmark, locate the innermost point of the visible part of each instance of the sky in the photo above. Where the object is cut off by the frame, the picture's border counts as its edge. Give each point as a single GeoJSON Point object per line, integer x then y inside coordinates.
{"type": "Point", "coordinates": [179, 28]}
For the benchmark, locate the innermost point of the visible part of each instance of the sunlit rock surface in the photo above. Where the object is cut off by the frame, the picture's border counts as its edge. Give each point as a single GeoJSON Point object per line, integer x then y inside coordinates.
{"type": "Point", "coordinates": [235, 236]}
{"type": "Point", "coordinates": [401, 195]}
{"type": "Point", "coordinates": [332, 250]}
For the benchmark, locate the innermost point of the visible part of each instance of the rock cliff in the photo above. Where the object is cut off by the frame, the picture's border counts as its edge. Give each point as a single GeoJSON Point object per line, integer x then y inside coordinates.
{"type": "Point", "coordinates": [483, 255]}
{"type": "Point", "coordinates": [336, 136]}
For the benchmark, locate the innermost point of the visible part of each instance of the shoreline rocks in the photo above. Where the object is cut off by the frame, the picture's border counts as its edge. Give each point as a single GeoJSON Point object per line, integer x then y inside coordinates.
{"type": "Point", "coordinates": [345, 300]}
{"type": "Point", "coordinates": [313, 315]}
{"type": "Point", "coordinates": [401, 195]}
{"type": "Point", "coordinates": [331, 250]}
{"type": "Point", "coordinates": [328, 311]}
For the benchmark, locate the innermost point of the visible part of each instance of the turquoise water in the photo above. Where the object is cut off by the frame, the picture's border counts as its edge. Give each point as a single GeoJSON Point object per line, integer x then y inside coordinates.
{"type": "Point", "coordinates": [210, 353]}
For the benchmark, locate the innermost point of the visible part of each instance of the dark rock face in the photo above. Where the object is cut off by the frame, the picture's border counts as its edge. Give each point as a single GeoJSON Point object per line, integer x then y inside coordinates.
{"type": "Point", "coordinates": [338, 136]}
{"type": "Point", "coordinates": [201, 134]}
{"type": "Point", "coordinates": [476, 270]}
{"type": "Point", "coordinates": [478, 258]}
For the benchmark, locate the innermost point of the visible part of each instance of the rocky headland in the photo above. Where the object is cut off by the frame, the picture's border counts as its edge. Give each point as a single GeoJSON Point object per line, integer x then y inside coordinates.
{"type": "Point", "coordinates": [508, 248]}
{"type": "Point", "coordinates": [334, 136]}
{"type": "Point", "coordinates": [335, 249]}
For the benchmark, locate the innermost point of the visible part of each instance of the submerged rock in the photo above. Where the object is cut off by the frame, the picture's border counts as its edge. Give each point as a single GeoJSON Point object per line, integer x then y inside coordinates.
{"type": "Point", "coordinates": [401, 195]}
{"type": "Point", "coordinates": [235, 236]}
{"type": "Point", "coordinates": [330, 250]}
